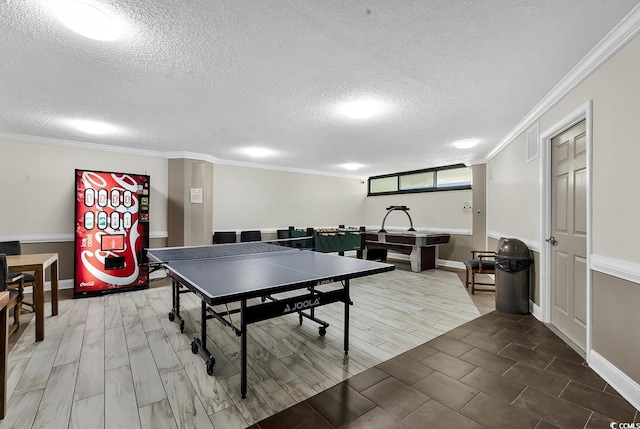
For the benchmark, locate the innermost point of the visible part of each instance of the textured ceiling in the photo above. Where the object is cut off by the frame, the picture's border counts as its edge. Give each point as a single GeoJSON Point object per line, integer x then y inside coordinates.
{"type": "Point", "coordinates": [212, 76]}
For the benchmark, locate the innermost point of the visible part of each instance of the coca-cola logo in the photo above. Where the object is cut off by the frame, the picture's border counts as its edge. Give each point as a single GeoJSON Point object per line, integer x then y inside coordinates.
{"type": "Point", "coordinates": [85, 284]}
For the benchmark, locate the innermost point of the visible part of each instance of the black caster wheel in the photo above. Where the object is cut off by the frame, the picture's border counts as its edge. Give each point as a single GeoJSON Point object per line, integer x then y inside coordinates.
{"type": "Point", "coordinates": [172, 317]}
{"type": "Point", "coordinates": [182, 326]}
{"type": "Point", "coordinates": [210, 365]}
{"type": "Point", "coordinates": [322, 331]}
{"type": "Point", "coordinates": [194, 348]}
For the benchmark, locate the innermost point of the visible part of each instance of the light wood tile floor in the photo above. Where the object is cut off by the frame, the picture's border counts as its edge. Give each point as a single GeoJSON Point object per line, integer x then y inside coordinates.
{"type": "Point", "coordinates": [116, 361]}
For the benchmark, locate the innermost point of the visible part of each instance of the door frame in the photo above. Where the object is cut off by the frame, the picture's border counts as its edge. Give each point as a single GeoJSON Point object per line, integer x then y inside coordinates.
{"type": "Point", "coordinates": [584, 112]}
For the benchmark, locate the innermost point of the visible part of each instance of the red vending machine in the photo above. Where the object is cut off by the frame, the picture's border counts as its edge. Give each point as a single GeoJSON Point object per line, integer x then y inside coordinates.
{"type": "Point", "coordinates": [112, 231]}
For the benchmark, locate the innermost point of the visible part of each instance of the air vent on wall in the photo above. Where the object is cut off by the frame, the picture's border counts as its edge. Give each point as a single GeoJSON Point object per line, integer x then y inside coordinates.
{"type": "Point", "coordinates": [533, 145]}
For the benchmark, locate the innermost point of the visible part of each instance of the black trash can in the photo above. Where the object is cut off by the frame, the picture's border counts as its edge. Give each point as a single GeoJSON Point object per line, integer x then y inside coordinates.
{"type": "Point", "coordinates": [513, 260]}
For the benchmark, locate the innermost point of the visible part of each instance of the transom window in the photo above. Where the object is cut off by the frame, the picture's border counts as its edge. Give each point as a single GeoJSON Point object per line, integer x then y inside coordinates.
{"type": "Point", "coordinates": [452, 177]}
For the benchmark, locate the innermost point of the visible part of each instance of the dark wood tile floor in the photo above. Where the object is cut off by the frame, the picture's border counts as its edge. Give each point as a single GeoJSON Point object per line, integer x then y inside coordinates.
{"type": "Point", "coordinates": [497, 371]}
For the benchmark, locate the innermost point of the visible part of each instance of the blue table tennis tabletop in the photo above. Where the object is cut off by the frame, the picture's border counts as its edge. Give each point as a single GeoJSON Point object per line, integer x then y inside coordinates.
{"type": "Point", "coordinates": [225, 273]}
{"type": "Point", "coordinates": [229, 272]}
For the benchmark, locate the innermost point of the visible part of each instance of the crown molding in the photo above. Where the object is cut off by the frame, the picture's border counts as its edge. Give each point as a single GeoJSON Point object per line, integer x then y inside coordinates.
{"type": "Point", "coordinates": [22, 138]}
{"type": "Point", "coordinates": [191, 155]}
{"type": "Point", "coordinates": [287, 169]}
{"type": "Point", "coordinates": [219, 161]}
{"type": "Point", "coordinates": [615, 40]}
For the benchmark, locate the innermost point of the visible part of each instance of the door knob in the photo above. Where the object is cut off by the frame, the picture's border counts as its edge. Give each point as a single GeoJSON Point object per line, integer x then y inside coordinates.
{"type": "Point", "coordinates": [552, 240]}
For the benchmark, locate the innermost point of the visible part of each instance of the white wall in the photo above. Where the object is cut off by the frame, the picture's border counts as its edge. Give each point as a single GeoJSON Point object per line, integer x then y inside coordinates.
{"type": "Point", "coordinates": [39, 179]}
{"type": "Point", "coordinates": [37, 187]}
{"type": "Point", "coordinates": [513, 194]}
{"type": "Point", "coordinates": [247, 198]}
{"type": "Point", "coordinates": [429, 210]}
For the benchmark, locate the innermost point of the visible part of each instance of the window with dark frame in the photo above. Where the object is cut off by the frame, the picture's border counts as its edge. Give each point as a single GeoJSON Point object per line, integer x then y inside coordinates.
{"type": "Point", "coordinates": [448, 178]}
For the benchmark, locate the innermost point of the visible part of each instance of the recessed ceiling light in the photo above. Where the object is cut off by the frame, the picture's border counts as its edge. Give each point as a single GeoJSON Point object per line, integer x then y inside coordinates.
{"type": "Point", "coordinates": [93, 127]}
{"type": "Point", "coordinates": [258, 152]}
{"type": "Point", "coordinates": [363, 108]}
{"type": "Point", "coordinates": [466, 144]}
{"type": "Point", "coordinates": [352, 166]}
{"type": "Point", "coordinates": [87, 19]}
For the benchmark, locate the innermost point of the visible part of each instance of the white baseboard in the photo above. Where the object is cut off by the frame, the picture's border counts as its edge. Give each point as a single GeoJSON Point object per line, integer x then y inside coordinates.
{"type": "Point", "coordinates": [441, 262]}
{"type": "Point", "coordinates": [62, 284]}
{"type": "Point", "coordinates": [398, 257]}
{"type": "Point", "coordinates": [68, 283]}
{"type": "Point", "coordinates": [160, 274]}
{"type": "Point", "coordinates": [535, 310]}
{"type": "Point", "coordinates": [628, 388]}
{"type": "Point", "coordinates": [450, 264]}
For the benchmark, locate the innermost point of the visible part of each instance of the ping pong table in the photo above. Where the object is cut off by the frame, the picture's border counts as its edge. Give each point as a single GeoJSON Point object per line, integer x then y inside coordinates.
{"type": "Point", "coordinates": [232, 273]}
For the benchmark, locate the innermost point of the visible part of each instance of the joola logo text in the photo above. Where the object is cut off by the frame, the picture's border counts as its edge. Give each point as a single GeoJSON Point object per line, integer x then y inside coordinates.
{"type": "Point", "coordinates": [301, 305]}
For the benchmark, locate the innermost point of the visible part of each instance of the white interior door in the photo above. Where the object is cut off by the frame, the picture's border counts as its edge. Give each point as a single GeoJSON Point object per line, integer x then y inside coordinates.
{"type": "Point", "coordinates": [569, 233]}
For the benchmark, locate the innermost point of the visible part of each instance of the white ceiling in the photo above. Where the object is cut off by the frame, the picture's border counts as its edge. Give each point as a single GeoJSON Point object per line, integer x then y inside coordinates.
{"type": "Point", "coordinates": [213, 76]}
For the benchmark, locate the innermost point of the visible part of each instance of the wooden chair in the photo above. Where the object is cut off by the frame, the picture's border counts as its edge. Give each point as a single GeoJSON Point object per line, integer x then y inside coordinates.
{"type": "Point", "coordinates": [481, 262]}
{"type": "Point", "coordinates": [222, 237]}
{"type": "Point", "coordinates": [15, 294]}
{"type": "Point", "coordinates": [13, 248]}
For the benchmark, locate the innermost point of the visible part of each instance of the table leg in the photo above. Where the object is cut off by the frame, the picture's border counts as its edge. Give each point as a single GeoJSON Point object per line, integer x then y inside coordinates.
{"type": "Point", "coordinates": [429, 257]}
{"type": "Point", "coordinates": [203, 325]}
{"type": "Point", "coordinates": [346, 316]}
{"type": "Point", "coordinates": [243, 349]}
{"type": "Point", "coordinates": [38, 303]}
{"type": "Point", "coordinates": [415, 258]}
{"type": "Point", "coordinates": [4, 348]}
{"type": "Point", "coordinates": [175, 300]}
{"type": "Point", "coordinates": [54, 288]}
{"type": "Point", "coordinates": [199, 345]}
{"type": "Point", "coordinates": [312, 311]}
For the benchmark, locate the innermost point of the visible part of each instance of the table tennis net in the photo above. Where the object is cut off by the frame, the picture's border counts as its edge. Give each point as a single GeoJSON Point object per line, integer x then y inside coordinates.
{"type": "Point", "coordinates": [216, 251]}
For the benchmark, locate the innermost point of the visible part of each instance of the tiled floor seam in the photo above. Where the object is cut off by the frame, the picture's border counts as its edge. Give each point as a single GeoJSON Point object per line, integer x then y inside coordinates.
{"type": "Point", "coordinates": [510, 368]}
{"type": "Point", "coordinates": [471, 399]}
{"type": "Point", "coordinates": [565, 388]}
{"type": "Point", "coordinates": [520, 394]}
{"type": "Point", "coordinates": [549, 364]}
{"type": "Point", "coordinates": [502, 349]}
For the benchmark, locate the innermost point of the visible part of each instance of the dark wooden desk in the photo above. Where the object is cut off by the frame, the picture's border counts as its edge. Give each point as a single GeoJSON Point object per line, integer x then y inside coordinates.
{"type": "Point", "coordinates": [38, 263]}
{"type": "Point", "coordinates": [4, 349]}
{"type": "Point", "coordinates": [422, 248]}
